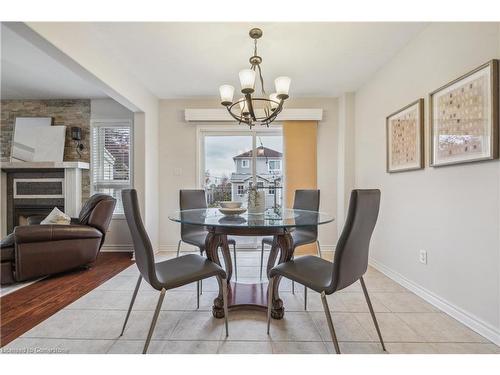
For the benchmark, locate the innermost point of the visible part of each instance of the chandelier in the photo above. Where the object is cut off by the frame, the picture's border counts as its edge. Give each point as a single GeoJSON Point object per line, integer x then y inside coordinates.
{"type": "Point", "coordinates": [249, 109]}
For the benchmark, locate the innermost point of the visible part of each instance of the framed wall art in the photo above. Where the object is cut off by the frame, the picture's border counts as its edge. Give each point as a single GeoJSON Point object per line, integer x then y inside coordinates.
{"type": "Point", "coordinates": [463, 118]}
{"type": "Point", "coordinates": [405, 138]}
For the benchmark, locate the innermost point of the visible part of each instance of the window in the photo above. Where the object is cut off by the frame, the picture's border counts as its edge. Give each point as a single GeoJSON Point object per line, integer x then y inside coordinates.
{"type": "Point", "coordinates": [271, 190]}
{"type": "Point", "coordinates": [227, 164]}
{"type": "Point", "coordinates": [111, 159]}
{"type": "Point", "coordinates": [274, 165]}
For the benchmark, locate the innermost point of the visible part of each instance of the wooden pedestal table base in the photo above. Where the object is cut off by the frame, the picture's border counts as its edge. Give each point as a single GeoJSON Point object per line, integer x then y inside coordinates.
{"type": "Point", "coordinates": [248, 296]}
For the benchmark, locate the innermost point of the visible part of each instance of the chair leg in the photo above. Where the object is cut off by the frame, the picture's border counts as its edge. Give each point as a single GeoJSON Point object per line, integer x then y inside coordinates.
{"type": "Point", "coordinates": [178, 247]}
{"type": "Point", "coordinates": [261, 259]}
{"type": "Point", "coordinates": [153, 322]}
{"type": "Point", "coordinates": [224, 298]}
{"type": "Point", "coordinates": [235, 265]}
{"type": "Point", "coordinates": [330, 323]}
{"type": "Point", "coordinates": [367, 297]}
{"type": "Point", "coordinates": [200, 290]}
{"type": "Point", "coordinates": [305, 298]}
{"type": "Point", "coordinates": [131, 303]}
{"type": "Point", "coordinates": [269, 302]}
{"type": "Point", "coordinates": [197, 295]}
{"type": "Point", "coordinates": [319, 249]}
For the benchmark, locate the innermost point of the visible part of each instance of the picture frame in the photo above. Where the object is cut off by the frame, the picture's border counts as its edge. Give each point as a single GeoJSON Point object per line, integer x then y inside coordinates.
{"type": "Point", "coordinates": [463, 118]}
{"type": "Point", "coordinates": [405, 138]}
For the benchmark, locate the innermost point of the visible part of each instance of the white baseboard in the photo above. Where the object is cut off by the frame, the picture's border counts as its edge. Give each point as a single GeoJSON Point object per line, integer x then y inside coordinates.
{"type": "Point", "coordinates": [471, 321]}
{"type": "Point", "coordinates": [116, 248]}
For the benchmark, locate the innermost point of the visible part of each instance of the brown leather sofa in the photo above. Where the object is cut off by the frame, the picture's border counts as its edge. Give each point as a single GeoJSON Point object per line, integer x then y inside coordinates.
{"type": "Point", "coordinates": [38, 250]}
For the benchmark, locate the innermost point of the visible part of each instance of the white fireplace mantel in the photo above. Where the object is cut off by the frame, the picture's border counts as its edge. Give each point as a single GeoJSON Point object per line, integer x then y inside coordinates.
{"type": "Point", "coordinates": [44, 165]}
{"type": "Point", "coordinates": [72, 179]}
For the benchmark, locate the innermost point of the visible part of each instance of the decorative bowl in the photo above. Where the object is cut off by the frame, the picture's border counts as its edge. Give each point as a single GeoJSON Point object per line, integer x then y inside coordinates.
{"type": "Point", "coordinates": [231, 204]}
{"type": "Point", "coordinates": [232, 211]}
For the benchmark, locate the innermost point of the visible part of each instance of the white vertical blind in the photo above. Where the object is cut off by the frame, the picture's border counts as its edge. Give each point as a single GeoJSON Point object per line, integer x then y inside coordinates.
{"type": "Point", "coordinates": [111, 159]}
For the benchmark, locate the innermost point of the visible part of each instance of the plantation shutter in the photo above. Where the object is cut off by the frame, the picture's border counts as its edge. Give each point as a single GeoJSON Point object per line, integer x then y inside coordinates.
{"type": "Point", "coordinates": [111, 159]}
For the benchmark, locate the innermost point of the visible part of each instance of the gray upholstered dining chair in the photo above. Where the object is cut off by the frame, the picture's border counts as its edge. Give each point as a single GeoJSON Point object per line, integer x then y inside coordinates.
{"type": "Point", "coordinates": [166, 275]}
{"type": "Point", "coordinates": [303, 200]}
{"type": "Point", "coordinates": [349, 264]}
{"type": "Point", "coordinates": [194, 234]}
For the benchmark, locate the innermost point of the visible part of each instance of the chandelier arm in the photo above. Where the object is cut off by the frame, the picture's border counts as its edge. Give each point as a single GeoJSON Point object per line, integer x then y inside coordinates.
{"type": "Point", "coordinates": [265, 120]}
{"type": "Point", "coordinates": [239, 119]}
{"type": "Point", "coordinates": [261, 81]}
{"type": "Point", "coordinates": [248, 98]}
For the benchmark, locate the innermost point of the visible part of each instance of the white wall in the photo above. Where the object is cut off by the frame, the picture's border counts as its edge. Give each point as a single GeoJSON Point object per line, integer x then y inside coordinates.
{"type": "Point", "coordinates": [178, 150]}
{"type": "Point", "coordinates": [118, 236]}
{"type": "Point", "coordinates": [109, 109]}
{"type": "Point", "coordinates": [73, 44]}
{"type": "Point", "coordinates": [452, 212]}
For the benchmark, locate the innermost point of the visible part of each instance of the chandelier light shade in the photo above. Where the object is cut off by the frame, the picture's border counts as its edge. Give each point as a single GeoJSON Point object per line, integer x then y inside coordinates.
{"type": "Point", "coordinates": [282, 85]}
{"type": "Point", "coordinates": [252, 109]}
{"type": "Point", "coordinates": [247, 81]}
{"type": "Point", "coordinates": [226, 94]}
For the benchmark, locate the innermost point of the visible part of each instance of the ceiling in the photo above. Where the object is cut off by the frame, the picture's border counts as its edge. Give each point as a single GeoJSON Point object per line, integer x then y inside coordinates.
{"type": "Point", "coordinates": [29, 73]}
{"type": "Point", "coordinates": [193, 59]}
{"type": "Point", "coordinates": [177, 60]}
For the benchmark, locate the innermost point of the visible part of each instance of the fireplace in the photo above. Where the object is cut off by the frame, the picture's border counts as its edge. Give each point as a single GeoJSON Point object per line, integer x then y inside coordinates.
{"type": "Point", "coordinates": [43, 207]}
{"type": "Point", "coordinates": [35, 188]}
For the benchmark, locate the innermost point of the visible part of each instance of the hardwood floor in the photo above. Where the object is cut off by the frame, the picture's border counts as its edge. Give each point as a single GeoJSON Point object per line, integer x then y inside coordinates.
{"type": "Point", "coordinates": [23, 309]}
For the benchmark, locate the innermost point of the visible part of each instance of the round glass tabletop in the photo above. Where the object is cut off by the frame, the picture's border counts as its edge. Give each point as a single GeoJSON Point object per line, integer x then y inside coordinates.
{"type": "Point", "coordinates": [285, 218]}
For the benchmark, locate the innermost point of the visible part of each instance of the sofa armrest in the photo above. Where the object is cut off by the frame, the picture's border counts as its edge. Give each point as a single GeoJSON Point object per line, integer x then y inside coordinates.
{"type": "Point", "coordinates": [43, 233]}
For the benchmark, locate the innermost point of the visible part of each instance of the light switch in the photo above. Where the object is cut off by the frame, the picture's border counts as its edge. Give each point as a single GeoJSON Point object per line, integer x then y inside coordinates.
{"type": "Point", "coordinates": [177, 171]}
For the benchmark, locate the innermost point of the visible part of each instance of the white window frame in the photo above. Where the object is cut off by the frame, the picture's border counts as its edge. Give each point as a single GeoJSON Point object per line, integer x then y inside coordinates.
{"type": "Point", "coordinates": [111, 123]}
{"type": "Point", "coordinates": [242, 189]}
{"type": "Point", "coordinates": [245, 163]}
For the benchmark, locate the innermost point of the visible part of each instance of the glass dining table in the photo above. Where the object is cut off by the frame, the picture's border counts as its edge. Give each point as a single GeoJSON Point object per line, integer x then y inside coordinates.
{"type": "Point", "coordinates": [277, 223]}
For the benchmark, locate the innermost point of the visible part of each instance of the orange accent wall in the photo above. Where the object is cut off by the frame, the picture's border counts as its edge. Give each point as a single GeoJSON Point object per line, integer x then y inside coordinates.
{"type": "Point", "coordinates": [300, 154]}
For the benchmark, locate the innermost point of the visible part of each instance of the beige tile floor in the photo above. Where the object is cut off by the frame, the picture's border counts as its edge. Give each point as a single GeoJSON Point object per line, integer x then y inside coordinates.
{"type": "Point", "coordinates": [92, 324]}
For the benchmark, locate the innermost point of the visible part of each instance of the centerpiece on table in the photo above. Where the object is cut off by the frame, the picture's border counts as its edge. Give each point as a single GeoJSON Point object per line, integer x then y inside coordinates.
{"type": "Point", "coordinates": [256, 200]}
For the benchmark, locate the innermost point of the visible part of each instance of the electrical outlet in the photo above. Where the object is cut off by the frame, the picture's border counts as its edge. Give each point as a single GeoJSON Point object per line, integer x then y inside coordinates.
{"type": "Point", "coordinates": [422, 256]}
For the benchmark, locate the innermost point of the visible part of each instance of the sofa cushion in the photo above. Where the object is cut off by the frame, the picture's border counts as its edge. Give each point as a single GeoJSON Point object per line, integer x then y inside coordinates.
{"type": "Point", "coordinates": [6, 275]}
{"type": "Point", "coordinates": [7, 248]}
{"type": "Point", "coordinates": [8, 241]}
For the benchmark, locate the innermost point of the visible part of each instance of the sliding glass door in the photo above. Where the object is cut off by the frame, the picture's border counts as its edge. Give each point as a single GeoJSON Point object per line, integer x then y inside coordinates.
{"type": "Point", "coordinates": [233, 160]}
